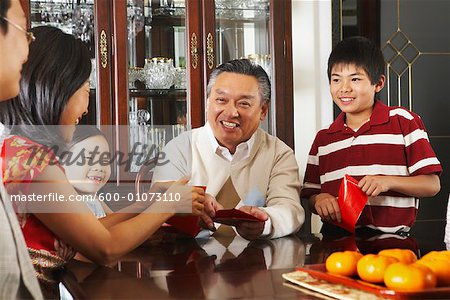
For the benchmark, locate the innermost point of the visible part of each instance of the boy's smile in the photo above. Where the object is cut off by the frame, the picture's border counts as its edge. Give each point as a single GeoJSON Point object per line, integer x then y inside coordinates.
{"type": "Point", "coordinates": [353, 92]}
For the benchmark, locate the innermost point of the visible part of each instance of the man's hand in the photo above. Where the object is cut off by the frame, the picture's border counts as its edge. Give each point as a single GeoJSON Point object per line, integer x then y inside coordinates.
{"type": "Point", "coordinates": [327, 207]}
{"type": "Point", "coordinates": [210, 207]}
{"type": "Point", "coordinates": [373, 185]}
{"type": "Point", "coordinates": [252, 230]}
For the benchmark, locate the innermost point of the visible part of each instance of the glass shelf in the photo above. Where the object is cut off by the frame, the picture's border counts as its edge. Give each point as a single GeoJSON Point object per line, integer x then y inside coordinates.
{"type": "Point", "coordinates": [242, 14]}
{"type": "Point", "coordinates": [169, 12]}
{"type": "Point", "coordinates": [72, 17]}
{"type": "Point", "coordinates": [177, 93]}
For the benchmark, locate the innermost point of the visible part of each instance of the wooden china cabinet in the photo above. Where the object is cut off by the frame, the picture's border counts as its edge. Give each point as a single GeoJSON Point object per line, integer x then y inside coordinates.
{"type": "Point", "coordinates": [135, 44]}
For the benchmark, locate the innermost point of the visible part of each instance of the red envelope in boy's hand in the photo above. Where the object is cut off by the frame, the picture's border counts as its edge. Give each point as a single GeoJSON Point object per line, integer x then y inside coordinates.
{"type": "Point", "coordinates": [351, 202]}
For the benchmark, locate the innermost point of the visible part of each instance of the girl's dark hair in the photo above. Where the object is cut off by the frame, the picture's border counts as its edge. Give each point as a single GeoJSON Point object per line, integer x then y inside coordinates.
{"type": "Point", "coordinates": [84, 132]}
{"type": "Point", "coordinates": [58, 65]}
{"type": "Point", "coordinates": [361, 52]}
{"type": "Point", "coordinates": [4, 7]}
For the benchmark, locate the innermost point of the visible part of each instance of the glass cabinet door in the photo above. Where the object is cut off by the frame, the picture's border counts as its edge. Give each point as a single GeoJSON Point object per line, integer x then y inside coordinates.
{"type": "Point", "coordinates": [152, 59]}
{"type": "Point", "coordinates": [157, 98]}
{"type": "Point", "coordinates": [76, 18]}
{"type": "Point", "coordinates": [242, 31]}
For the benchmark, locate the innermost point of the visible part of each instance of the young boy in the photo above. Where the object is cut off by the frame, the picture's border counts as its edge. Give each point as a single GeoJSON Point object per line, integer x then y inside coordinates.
{"type": "Point", "coordinates": [385, 148]}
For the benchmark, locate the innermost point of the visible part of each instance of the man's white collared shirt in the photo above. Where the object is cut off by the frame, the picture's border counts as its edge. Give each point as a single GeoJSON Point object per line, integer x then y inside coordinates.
{"type": "Point", "coordinates": [242, 150]}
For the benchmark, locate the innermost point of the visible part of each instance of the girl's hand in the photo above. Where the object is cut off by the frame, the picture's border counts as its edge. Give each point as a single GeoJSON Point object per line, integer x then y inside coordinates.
{"type": "Point", "coordinates": [210, 207]}
{"type": "Point", "coordinates": [198, 200]}
{"type": "Point", "coordinates": [178, 198]}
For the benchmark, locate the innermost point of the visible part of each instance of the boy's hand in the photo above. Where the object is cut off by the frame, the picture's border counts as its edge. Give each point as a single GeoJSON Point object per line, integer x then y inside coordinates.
{"type": "Point", "coordinates": [327, 207]}
{"type": "Point", "coordinates": [373, 185]}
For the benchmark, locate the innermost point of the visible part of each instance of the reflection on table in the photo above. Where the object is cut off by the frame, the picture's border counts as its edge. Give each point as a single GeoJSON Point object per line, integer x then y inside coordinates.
{"type": "Point", "coordinates": [216, 269]}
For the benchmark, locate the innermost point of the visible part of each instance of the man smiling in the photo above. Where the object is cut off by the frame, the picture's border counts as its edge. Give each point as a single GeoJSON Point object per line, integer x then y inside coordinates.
{"type": "Point", "coordinates": [241, 165]}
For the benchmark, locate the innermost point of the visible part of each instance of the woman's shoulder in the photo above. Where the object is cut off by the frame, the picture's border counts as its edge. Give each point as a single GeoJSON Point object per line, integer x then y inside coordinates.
{"type": "Point", "coordinates": [19, 142]}
{"type": "Point", "coordinates": [23, 158]}
{"type": "Point", "coordinates": [19, 147]}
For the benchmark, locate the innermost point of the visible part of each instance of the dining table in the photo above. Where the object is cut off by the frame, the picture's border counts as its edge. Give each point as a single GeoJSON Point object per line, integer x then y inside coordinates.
{"type": "Point", "coordinates": [228, 267]}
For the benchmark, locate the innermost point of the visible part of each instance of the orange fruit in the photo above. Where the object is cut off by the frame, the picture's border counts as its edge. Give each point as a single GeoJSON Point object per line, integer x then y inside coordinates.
{"type": "Point", "coordinates": [409, 277]}
{"type": "Point", "coordinates": [440, 267]}
{"type": "Point", "coordinates": [371, 267]}
{"type": "Point", "coordinates": [430, 277]}
{"type": "Point", "coordinates": [403, 255]}
{"type": "Point", "coordinates": [343, 263]}
{"type": "Point", "coordinates": [437, 254]}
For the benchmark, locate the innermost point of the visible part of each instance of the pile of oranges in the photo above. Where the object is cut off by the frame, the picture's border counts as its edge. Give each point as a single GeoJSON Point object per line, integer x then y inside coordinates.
{"type": "Point", "coordinates": [398, 269]}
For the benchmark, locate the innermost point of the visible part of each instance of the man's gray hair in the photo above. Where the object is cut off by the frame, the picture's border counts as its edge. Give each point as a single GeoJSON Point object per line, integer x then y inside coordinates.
{"type": "Point", "coordinates": [244, 67]}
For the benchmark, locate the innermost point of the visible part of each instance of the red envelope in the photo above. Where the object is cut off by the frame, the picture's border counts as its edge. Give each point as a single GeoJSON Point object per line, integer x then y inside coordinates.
{"type": "Point", "coordinates": [186, 224]}
{"type": "Point", "coordinates": [351, 202]}
{"type": "Point", "coordinates": [233, 216]}
{"type": "Point", "coordinates": [190, 224]}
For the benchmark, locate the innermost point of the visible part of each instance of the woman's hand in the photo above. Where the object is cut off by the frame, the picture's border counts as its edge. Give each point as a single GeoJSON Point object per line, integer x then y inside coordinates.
{"type": "Point", "coordinates": [63, 250]}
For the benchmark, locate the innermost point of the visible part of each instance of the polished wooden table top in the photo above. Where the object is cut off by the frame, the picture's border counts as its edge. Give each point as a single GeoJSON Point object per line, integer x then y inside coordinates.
{"type": "Point", "coordinates": [224, 268]}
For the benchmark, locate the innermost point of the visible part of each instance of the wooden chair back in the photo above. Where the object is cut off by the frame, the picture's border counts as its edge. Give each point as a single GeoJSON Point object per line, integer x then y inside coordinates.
{"type": "Point", "coordinates": [143, 179]}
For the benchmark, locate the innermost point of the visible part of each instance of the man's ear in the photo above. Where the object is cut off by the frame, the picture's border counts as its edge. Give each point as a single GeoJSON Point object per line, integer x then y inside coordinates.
{"type": "Point", "coordinates": [265, 110]}
{"type": "Point", "coordinates": [379, 86]}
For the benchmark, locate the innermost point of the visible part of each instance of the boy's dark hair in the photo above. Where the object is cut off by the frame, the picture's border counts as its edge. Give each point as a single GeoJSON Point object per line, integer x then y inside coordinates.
{"type": "Point", "coordinates": [245, 67]}
{"type": "Point", "coordinates": [4, 7]}
{"type": "Point", "coordinates": [361, 52]}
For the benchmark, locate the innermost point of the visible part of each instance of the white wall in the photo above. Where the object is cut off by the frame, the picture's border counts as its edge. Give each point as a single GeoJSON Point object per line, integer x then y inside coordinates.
{"type": "Point", "coordinates": [313, 107]}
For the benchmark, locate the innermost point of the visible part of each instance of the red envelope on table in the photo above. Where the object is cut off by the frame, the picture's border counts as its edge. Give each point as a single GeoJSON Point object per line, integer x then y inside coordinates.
{"type": "Point", "coordinates": [351, 202]}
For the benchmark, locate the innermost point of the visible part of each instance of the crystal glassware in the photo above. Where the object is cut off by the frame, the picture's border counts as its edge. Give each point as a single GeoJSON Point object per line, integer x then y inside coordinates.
{"type": "Point", "coordinates": [135, 74]}
{"type": "Point", "coordinates": [180, 78]}
{"type": "Point", "coordinates": [159, 73]}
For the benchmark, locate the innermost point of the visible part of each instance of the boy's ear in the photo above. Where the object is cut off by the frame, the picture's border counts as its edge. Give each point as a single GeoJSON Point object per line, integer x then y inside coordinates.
{"type": "Point", "coordinates": [379, 86]}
